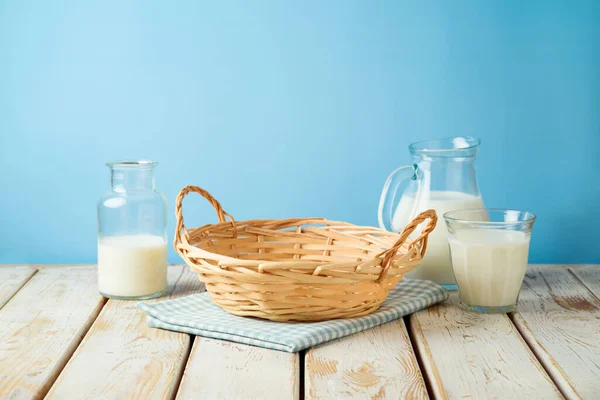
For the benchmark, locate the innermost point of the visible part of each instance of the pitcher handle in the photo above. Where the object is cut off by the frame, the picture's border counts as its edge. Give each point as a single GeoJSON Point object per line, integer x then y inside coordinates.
{"type": "Point", "coordinates": [388, 196]}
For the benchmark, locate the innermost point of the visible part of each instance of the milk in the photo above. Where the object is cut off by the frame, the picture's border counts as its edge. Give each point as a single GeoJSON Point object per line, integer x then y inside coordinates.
{"type": "Point", "coordinates": [436, 265]}
{"type": "Point", "coordinates": [489, 265]}
{"type": "Point", "coordinates": [132, 266]}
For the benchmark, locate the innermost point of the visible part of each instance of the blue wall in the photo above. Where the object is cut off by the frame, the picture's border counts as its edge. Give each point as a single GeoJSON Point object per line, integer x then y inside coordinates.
{"type": "Point", "coordinates": [287, 109]}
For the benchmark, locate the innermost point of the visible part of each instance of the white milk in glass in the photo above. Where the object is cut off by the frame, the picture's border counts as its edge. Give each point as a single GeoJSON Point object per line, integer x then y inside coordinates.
{"type": "Point", "coordinates": [436, 265]}
{"type": "Point", "coordinates": [489, 265]}
{"type": "Point", "coordinates": [131, 266]}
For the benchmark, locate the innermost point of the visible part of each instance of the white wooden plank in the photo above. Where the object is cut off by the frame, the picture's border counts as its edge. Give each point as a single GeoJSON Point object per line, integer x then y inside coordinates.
{"type": "Point", "coordinates": [590, 276]}
{"type": "Point", "coordinates": [121, 357]}
{"type": "Point", "coordinates": [41, 327]}
{"type": "Point", "coordinates": [560, 320]}
{"type": "Point", "coordinates": [378, 363]}
{"type": "Point", "coordinates": [11, 280]}
{"type": "Point", "coordinates": [477, 356]}
{"type": "Point", "coordinates": [219, 369]}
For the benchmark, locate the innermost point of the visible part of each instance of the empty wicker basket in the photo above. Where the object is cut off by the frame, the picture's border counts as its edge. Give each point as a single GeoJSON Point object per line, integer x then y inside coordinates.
{"type": "Point", "coordinates": [299, 269]}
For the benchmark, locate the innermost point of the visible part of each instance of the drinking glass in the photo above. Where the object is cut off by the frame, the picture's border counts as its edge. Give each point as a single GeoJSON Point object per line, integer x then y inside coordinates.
{"type": "Point", "coordinates": [489, 249]}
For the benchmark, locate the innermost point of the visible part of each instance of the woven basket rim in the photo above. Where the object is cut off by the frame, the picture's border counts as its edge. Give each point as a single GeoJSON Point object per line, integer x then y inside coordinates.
{"type": "Point", "coordinates": [185, 245]}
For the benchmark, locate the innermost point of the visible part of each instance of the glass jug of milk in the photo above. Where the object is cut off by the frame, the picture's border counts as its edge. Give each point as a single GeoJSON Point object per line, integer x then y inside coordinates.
{"type": "Point", "coordinates": [132, 240]}
{"type": "Point", "coordinates": [443, 177]}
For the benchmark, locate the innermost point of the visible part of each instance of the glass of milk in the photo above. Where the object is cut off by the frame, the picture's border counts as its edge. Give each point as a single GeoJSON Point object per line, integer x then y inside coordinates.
{"type": "Point", "coordinates": [489, 250]}
{"type": "Point", "coordinates": [132, 238]}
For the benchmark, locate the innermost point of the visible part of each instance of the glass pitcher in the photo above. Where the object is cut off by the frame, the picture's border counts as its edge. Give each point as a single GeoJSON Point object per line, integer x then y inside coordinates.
{"type": "Point", "coordinates": [442, 177]}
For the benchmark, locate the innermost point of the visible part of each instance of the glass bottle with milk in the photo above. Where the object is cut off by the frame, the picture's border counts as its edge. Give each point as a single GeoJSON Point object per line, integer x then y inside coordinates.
{"type": "Point", "coordinates": [443, 178]}
{"type": "Point", "coordinates": [132, 238]}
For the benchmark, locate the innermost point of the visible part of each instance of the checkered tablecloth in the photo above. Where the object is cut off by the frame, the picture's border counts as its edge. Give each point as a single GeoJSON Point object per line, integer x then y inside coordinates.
{"type": "Point", "coordinates": [198, 315]}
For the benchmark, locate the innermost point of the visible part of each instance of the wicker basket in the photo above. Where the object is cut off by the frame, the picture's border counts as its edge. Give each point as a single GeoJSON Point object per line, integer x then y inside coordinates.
{"type": "Point", "coordinates": [300, 269]}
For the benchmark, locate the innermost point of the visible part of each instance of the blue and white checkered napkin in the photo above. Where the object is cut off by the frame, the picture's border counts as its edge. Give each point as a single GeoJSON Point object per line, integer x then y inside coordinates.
{"type": "Point", "coordinates": [198, 315]}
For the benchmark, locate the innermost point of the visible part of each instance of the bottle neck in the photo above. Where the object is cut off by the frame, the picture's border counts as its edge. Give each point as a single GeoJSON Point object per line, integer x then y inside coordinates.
{"type": "Point", "coordinates": [126, 179]}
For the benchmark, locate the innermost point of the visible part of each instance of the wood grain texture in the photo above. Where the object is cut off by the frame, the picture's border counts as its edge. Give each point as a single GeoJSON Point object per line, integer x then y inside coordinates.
{"type": "Point", "coordinates": [560, 320]}
{"type": "Point", "coordinates": [476, 356]}
{"type": "Point", "coordinates": [121, 357]}
{"type": "Point", "coordinates": [589, 275]}
{"type": "Point", "coordinates": [219, 369]}
{"type": "Point", "coordinates": [375, 364]}
{"type": "Point", "coordinates": [41, 326]}
{"type": "Point", "coordinates": [11, 280]}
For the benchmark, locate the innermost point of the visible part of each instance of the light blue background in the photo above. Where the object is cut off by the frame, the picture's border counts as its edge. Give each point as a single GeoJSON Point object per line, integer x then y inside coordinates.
{"type": "Point", "coordinates": [285, 109]}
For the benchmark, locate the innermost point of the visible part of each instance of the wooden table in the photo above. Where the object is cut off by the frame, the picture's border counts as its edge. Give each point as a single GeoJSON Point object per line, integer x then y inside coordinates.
{"type": "Point", "coordinates": [60, 339]}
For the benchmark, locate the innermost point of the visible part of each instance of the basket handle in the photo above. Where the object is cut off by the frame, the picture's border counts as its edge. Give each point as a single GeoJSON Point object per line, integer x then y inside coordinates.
{"type": "Point", "coordinates": [221, 214]}
{"type": "Point", "coordinates": [390, 253]}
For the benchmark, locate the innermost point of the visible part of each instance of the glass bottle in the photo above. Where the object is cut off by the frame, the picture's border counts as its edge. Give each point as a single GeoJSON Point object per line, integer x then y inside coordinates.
{"type": "Point", "coordinates": [443, 178]}
{"type": "Point", "coordinates": [132, 237]}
